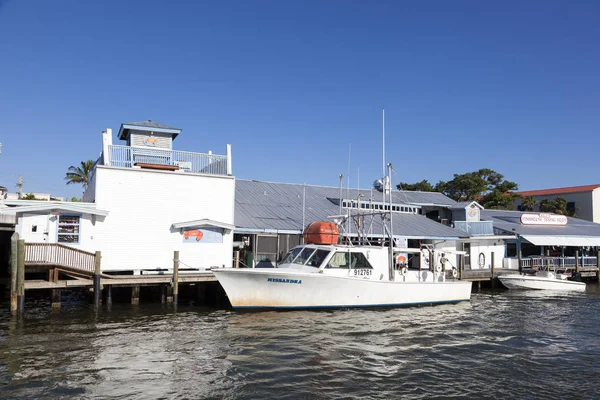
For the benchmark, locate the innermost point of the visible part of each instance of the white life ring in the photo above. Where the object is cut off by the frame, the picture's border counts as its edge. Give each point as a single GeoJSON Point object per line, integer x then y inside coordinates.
{"type": "Point", "coordinates": [403, 271]}
{"type": "Point", "coordinates": [454, 272]}
{"type": "Point", "coordinates": [438, 268]}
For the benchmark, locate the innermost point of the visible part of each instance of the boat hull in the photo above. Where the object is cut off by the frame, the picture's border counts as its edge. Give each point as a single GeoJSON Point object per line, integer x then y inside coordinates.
{"type": "Point", "coordinates": [540, 283]}
{"type": "Point", "coordinates": [270, 288]}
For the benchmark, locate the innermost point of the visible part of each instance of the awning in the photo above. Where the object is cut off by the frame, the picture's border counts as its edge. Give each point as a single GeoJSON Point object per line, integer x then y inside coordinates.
{"type": "Point", "coordinates": [577, 241]}
{"type": "Point", "coordinates": [203, 223]}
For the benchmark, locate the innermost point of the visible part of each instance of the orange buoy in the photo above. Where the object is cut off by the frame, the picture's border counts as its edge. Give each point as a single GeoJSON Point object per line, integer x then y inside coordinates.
{"type": "Point", "coordinates": [321, 232]}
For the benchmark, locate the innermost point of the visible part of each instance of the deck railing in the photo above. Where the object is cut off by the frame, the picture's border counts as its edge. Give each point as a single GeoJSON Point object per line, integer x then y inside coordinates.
{"type": "Point", "coordinates": [128, 156]}
{"type": "Point", "coordinates": [58, 255]}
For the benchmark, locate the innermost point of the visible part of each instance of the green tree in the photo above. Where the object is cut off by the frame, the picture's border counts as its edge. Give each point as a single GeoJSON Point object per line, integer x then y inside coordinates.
{"type": "Point", "coordinates": [29, 196]}
{"type": "Point", "coordinates": [75, 199]}
{"type": "Point", "coordinates": [486, 186]}
{"type": "Point", "coordinates": [557, 206]}
{"type": "Point", "coordinates": [80, 174]}
{"type": "Point", "coordinates": [528, 203]}
{"type": "Point", "coordinates": [423, 186]}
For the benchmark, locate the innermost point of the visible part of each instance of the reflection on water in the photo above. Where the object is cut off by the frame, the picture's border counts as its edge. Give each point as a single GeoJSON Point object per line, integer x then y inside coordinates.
{"type": "Point", "coordinates": [505, 344]}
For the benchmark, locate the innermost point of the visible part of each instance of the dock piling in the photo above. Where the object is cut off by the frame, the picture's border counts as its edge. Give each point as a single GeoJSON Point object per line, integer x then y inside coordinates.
{"type": "Point", "coordinates": [97, 288]}
{"type": "Point", "coordinates": [135, 295]}
{"type": "Point", "coordinates": [13, 271]}
{"type": "Point", "coordinates": [175, 277]}
{"type": "Point", "coordinates": [21, 276]}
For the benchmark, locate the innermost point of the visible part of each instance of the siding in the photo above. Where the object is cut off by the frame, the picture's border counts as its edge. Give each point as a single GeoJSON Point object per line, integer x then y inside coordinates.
{"type": "Point", "coordinates": [47, 225]}
{"type": "Point", "coordinates": [143, 205]}
{"type": "Point", "coordinates": [163, 140]}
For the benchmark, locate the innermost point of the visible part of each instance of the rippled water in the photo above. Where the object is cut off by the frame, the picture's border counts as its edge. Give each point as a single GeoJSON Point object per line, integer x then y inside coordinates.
{"type": "Point", "coordinates": [500, 345]}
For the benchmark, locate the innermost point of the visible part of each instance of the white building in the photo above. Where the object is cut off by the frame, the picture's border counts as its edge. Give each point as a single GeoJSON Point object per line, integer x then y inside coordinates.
{"type": "Point", "coordinates": [144, 201]}
{"type": "Point", "coordinates": [584, 200]}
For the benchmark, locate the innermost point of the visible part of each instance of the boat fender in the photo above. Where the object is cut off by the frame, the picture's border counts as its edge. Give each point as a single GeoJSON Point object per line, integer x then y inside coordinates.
{"type": "Point", "coordinates": [438, 268]}
{"type": "Point", "coordinates": [454, 273]}
{"type": "Point", "coordinates": [403, 271]}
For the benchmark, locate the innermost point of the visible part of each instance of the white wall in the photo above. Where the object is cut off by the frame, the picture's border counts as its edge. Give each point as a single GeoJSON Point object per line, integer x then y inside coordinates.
{"type": "Point", "coordinates": [143, 204]}
{"type": "Point", "coordinates": [584, 202]}
{"type": "Point", "coordinates": [595, 205]}
{"type": "Point", "coordinates": [489, 248]}
{"type": "Point", "coordinates": [47, 229]}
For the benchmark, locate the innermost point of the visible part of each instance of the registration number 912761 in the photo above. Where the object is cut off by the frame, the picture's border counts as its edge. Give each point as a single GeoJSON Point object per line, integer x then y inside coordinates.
{"type": "Point", "coordinates": [363, 272]}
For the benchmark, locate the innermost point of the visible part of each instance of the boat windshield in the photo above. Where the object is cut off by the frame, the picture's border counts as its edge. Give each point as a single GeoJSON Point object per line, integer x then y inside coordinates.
{"type": "Point", "coordinates": [308, 256]}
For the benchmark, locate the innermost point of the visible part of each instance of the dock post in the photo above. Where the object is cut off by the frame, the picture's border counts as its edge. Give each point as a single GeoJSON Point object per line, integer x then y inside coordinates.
{"type": "Point", "coordinates": [135, 295]}
{"type": "Point", "coordinates": [236, 259]}
{"type": "Point", "coordinates": [13, 271]}
{"type": "Point", "coordinates": [97, 289]}
{"type": "Point", "coordinates": [520, 260]}
{"type": "Point", "coordinates": [20, 276]}
{"type": "Point", "coordinates": [109, 295]}
{"type": "Point", "coordinates": [461, 266]}
{"type": "Point", "coordinates": [493, 267]}
{"type": "Point", "coordinates": [175, 277]}
{"type": "Point", "coordinates": [56, 298]}
{"type": "Point", "coordinates": [577, 260]}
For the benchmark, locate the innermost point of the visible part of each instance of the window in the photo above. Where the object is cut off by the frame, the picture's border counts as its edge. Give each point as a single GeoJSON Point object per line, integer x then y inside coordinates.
{"type": "Point", "coordinates": [339, 260]}
{"type": "Point", "coordinates": [358, 260]}
{"type": "Point", "coordinates": [68, 228]}
{"type": "Point", "coordinates": [511, 249]}
{"type": "Point", "coordinates": [317, 258]}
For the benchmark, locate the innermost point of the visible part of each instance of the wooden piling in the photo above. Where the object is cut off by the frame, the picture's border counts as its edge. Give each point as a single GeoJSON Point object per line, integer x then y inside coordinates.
{"type": "Point", "coordinates": [13, 271]}
{"type": "Point", "coordinates": [175, 277]}
{"type": "Point", "coordinates": [520, 260]}
{"type": "Point", "coordinates": [21, 276]}
{"type": "Point", "coordinates": [577, 260]}
{"type": "Point", "coordinates": [135, 295]}
{"type": "Point", "coordinates": [56, 298]}
{"type": "Point", "coordinates": [97, 288]}
{"type": "Point", "coordinates": [109, 295]}
{"type": "Point", "coordinates": [461, 266]}
{"type": "Point", "coordinates": [493, 267]}
{"type": "Point", "coordinates": [236, 257]}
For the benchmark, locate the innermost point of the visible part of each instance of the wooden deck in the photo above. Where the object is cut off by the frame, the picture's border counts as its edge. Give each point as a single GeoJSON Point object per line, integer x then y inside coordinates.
{"type": "Point", "coordinates": [121, 280]}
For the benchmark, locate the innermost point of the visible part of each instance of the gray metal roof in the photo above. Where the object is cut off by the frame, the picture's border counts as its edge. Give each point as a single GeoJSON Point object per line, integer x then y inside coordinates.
{"type": "Point", "coordinates": [461, 205]}
{"type": "Point", "coordinates": [151, 124]}
{"type": "Point", "coordinates": [510, 222]}
{"type": "Point", "coordinates": [279, 206]}
{"type": "Point", "coordinates": [148, 125]}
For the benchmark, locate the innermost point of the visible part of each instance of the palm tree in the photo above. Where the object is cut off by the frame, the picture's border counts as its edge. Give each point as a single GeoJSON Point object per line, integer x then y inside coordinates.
{"type": "Point", "coordinates": [80, 174]}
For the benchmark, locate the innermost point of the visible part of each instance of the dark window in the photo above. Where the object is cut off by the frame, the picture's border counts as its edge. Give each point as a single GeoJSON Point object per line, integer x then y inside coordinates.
{"type": "Point", "coordinates": [33, 228]}
{"type": "Point", "coordinates": [358, 260]}
{"type": "Point", "coordinates": [511, 249]}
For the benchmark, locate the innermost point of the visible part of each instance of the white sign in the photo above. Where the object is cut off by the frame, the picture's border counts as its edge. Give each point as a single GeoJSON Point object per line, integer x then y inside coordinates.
{"type": "Point", "coordinates": [543, 219]}
{"type": "Point", "coordinates": [184, 165]}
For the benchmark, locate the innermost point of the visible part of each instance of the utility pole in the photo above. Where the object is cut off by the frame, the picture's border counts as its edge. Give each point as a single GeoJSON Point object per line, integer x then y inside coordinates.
{"type": "Point", "coordinates": [20, 187]}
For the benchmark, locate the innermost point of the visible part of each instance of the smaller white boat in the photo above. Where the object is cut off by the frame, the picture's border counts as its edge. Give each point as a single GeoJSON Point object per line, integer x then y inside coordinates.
{"type": "Point", "coordinates": [542, 280]}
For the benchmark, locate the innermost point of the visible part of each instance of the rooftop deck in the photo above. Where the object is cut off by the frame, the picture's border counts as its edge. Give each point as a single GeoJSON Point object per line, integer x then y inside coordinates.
{"type": "Point", "coordinates": [199, 163]}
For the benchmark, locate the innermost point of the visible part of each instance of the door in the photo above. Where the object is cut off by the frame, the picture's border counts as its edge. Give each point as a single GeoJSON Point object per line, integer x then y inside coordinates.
{"type": "Point", "coordinates": [35, 228]}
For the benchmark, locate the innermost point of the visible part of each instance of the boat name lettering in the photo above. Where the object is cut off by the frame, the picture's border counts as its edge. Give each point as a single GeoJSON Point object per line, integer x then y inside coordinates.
{"type": "Point", "coordinates": [363, 272]}
{"type": "Point", "coordinates": [282, 280]}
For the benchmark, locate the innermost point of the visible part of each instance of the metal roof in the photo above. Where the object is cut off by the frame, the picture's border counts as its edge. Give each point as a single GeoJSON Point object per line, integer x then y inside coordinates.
{"type": "Point", "coordinates": [510, 222]}
{"type": "Point", "coordinates": [48, 206]}
{"type": "Point", "coordinates": [269, 206]}
{"type": "Point", "coordinates": [149, 126]}
{"type": "Point", "coordinates": [464, 204]}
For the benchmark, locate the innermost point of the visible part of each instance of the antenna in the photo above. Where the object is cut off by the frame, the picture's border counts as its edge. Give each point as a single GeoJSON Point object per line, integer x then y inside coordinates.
{"type": "Point", "coordinates": [383, 141]}
{"type": "Point", "coordinates": [20, 187]}
{"type": "Point", "coordinates": [341, 185]}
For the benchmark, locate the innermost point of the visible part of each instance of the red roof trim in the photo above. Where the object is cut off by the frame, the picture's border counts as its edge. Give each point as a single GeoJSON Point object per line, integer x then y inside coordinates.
{"type": "Point", "coordinates": [571, 189]}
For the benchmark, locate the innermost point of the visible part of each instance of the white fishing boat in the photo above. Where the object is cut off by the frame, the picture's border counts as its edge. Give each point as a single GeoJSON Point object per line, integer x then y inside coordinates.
{"type": "Point", "coordinates": [339, 276]}
{"type": "Point", "coordinates": [542, 280]}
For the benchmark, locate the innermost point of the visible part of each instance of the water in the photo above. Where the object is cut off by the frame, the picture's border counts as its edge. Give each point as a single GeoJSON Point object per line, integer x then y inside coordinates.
{"type": "Point", "coordinates": [505, 344]}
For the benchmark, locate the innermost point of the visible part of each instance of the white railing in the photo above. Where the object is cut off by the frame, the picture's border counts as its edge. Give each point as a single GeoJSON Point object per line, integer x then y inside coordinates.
{"type": "Point", "coordinates": [553, 262]}
{"type": "Point", "coordinates": [200, 163]}
{"type": "Point", "coordinates": [477, 228]}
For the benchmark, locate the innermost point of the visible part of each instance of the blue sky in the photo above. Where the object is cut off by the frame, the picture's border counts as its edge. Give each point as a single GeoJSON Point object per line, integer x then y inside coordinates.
{"type": "Point", "coordinates": [291, 85]}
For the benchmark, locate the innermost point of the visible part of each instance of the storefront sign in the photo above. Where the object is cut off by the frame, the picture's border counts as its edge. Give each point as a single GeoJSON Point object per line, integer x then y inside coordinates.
{"type": "Point", "coordinates": [543, 219]}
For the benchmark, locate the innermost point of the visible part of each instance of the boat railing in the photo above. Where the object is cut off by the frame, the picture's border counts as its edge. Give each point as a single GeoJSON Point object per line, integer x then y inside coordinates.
{"type": "Point", "coordinates": [563, 262]}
